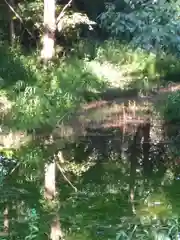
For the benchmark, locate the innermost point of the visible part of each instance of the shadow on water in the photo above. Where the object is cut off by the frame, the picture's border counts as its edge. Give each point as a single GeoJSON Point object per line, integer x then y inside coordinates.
{"type": "Point", "coordinates": [127, 177]}
{"type": "Point", "coordinates": [130, 189]}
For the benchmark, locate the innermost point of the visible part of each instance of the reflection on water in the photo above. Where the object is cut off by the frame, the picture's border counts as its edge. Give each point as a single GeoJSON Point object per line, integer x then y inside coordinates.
{"type": "Point", "coordinates": [128, 182]}
{"type": "Point", "coordinates": [133, 190]}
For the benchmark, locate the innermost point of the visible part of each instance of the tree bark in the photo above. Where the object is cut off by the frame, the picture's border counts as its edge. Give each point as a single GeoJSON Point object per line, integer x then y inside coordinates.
{"type": "Point", "coordinates": [6, 220]}
{"type": "Point", "coordinates": [50, 196]}
{"type": "Point", "coordinates": [134, 152]}
{"type": "Point", "coordinates": [50, 181]}
{"type": "Point", "coordinates": [11, 27]}
{"type": "Point", "coordinates": [47, 52]}
{"type": "Point", "coordinates": [147, 163]}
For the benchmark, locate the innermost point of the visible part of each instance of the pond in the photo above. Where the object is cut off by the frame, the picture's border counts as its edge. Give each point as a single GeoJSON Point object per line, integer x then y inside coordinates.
{"type": "Point", "coordinates": [128, 181]}
{"type": "Point", "coordinates": [131, 189]}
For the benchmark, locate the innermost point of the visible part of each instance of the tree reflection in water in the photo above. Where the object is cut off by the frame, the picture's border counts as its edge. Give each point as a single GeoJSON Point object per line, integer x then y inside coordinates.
{"type": "Point", "coordinates": [128, 187]}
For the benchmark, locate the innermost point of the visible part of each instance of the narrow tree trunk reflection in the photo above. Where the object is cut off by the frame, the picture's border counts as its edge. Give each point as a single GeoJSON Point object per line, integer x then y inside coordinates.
{"type": "Point", "coordinates": [147, 163]}
{"type": "Point", "coordinates": [134, 154]}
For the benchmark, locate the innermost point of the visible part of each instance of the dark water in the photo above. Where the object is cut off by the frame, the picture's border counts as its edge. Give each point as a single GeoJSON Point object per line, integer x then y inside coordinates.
{"type": "Point", "coordinates": [131, 189]}
{"type": "Point", "coordinates": [128, 182]}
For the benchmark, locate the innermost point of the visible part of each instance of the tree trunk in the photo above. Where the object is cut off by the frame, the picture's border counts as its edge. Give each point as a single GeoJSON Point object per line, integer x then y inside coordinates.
{"type": "Point", "coordinates": [6, 220]}
{"type": "Point", "coordinates": [49, 30]}
{"type": "Point", "coordinates": [50, 181]}
{"type": "Point", "coordinates": [147, 163]}
{"type": "Point", "coordinates": [134, 153]}
{"type": "Point", "coordinates": [50, 195]}
{"type": "Point", "coordinates": [5, 232]}
{"type": "Point", "coordinates": [11, 27]}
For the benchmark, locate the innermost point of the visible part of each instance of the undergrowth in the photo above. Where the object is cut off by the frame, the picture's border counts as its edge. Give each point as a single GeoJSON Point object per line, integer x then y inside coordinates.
{"type": "Point", "coordinates": [171, 109]}
{"type": "Point", "coordinates": [37, 97]}
{"type": "Point", "coordinates": [138, 62]}
{"type": "Point", "coordinates": [40, 96]}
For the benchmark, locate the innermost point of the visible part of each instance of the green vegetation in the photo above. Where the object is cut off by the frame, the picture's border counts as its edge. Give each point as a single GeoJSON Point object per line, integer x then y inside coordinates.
{"type": "Point", "coordinates": [153, 27]}
{"type": "Point", "coordinates": [113, 179]}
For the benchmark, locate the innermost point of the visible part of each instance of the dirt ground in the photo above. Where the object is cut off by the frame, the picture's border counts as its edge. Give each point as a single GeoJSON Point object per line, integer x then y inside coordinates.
{"type": "Point", "coordinates": [117, 112]}
{"type": "Point", "coordinates": [105, 114]}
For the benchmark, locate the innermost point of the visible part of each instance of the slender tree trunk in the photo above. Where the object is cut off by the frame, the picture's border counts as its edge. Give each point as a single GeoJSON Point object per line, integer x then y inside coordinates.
{"type": "Point", "coordinates": [49, 30]}
{"type": "Point", "coordinates": [6, 220]}
{"type": "Point", "coordinates": [134, 149]}
{"type": "Point", "coordinates": [5, 232]}
{"type": "Point", "coordinates": [50, 181]}
{"type": "Point", "coordinates": [50, 195]}
{"type": "Point", "coordinates": [147, 163]}
{"type": "Point", "coordinates": [11, 27]}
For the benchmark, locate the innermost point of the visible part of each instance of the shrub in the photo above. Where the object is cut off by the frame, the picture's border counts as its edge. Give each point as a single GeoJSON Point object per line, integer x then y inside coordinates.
{"type": "Point", "coordinates": [40, 96]}
{"type": "Point", "coordinates": [152, 26]}
{"type": "Point", "coordinates": [172, 110]}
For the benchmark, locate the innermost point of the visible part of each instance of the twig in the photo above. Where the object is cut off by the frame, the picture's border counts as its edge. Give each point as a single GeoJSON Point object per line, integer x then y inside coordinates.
{"type": "Point", "coordinates": [12, 9]}
{"type": "Point", "coordinates": [17, 165]}
{"type": "Point", "coordinates": [63, 10]}
{"type": "Point", "coordinates": [61, 170]}
{"type": "Point", "coordinates": [19, 17]}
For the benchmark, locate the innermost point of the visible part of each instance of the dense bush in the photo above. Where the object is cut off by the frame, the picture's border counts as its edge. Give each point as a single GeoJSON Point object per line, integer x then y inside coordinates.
{"type": "Point", "coordinates": [153, 26]}
{"type": "Point", "coordinates": [172, 110]}
{"type": "Point", "coordinates": [41, 96]}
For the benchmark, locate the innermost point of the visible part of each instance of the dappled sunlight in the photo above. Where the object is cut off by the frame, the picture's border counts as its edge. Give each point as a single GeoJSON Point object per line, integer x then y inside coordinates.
{"type": "Point", "coordinates": [108, 72]}
{"type": "Point", "coordinates": [5, 106]}
{"type": "Point", "coordinates": [100, 115]}
{"type": "Point", "coordinates": [121, 112]}
{"type": "Point", "coordinates": [10, 139]}
{"type": "Point", "coordinates": [155, 206]}
{"type": "Point", "coordinates": [112, 114]}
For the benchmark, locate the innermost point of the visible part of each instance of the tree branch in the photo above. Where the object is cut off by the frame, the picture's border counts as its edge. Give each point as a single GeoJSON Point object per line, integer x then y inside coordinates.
{"type": "Point", "coordinates": [17, 165]}
{"type": "Point", "coordinates": [19, 17]}
{"type": "Point", "coordinates": [67, 180]}
{"type": "Point", "coordinates": [12, 9]}
{"type": "Point", "coordinates": [63, 10]}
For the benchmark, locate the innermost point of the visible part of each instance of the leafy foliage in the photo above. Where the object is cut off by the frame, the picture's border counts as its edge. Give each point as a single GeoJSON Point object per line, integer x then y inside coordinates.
{"type": "Point", "coordinates": [73, 24]}
{"type": "Point", "coordinates": [152, 26]}
{"type": "Point", "coordinates": [35, 98]}
{"type": "Point", "coordinates": [172, 113]}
